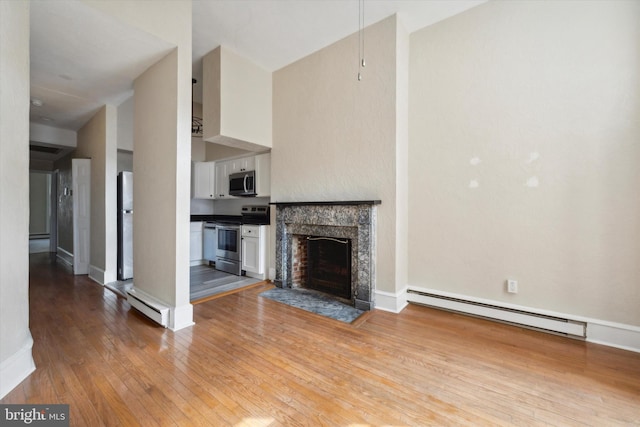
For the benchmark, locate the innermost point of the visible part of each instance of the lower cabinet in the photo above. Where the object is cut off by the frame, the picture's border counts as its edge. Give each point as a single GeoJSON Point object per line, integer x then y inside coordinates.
{"type": "Point", "coordinates": [209, 243]}
{"type": "Point", "coordinates": [254, 250]}
{"type": "Point", "coordinates": [195, 243]}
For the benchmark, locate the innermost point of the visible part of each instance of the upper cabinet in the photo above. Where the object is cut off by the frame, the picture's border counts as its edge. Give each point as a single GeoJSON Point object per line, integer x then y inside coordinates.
{"type": "Point", "coordinates": [211, 179]}
{"type": "Point", "coordinates": [242, 164]}
{"type": "Point", "coordinates": [263, 174]}
{"type": "Point", "coordinates": [204, 180]}
{"type": "Point", "coordinates": [237, 95]}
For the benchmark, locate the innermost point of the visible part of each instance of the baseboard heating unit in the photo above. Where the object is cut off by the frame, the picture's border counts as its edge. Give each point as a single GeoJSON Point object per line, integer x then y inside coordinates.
{"type": "Point", "coordinates": [553, 324]}
{"type": "Point", "coordinates": [149, 306]}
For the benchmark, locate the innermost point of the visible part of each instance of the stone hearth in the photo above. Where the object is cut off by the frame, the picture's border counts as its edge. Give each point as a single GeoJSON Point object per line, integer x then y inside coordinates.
{"type": "Point", "coordinates": [354, 220]}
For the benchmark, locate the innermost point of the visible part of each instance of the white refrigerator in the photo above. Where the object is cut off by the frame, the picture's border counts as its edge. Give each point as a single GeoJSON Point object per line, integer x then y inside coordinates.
{"type": "Point", "coordinates": [125, 225]}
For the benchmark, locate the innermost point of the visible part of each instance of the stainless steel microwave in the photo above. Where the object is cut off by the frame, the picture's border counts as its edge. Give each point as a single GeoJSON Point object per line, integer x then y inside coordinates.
{"type": "Point", "coordinates": [242, 184]}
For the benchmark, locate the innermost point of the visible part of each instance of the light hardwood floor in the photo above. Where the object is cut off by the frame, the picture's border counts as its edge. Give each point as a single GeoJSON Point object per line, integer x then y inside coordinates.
{"type": "Point", "coordinates": [252, 361]}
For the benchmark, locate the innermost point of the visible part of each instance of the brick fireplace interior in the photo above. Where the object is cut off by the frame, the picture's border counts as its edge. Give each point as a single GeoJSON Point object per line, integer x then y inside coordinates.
{"type": "Point", "coordinates": [322, 264]}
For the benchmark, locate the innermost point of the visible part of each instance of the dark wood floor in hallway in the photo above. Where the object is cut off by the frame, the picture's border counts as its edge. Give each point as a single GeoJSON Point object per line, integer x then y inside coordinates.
{"type": "Point", "coordinates": [250, 361]}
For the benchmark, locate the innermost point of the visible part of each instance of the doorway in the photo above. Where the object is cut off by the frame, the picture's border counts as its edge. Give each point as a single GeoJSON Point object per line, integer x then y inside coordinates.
{"type": "Point", "coordinates": [42, 211]}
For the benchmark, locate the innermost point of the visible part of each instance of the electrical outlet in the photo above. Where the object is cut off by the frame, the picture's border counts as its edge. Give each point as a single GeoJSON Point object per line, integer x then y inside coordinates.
{"type": "Point", "coordinates": [512, 286]}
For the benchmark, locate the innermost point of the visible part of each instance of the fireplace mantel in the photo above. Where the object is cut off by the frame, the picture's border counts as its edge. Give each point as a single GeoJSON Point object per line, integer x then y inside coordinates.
{"type": "Point", "coordinates": [354, 220]}
{"type": "Point", "coordinates": [329, 203]}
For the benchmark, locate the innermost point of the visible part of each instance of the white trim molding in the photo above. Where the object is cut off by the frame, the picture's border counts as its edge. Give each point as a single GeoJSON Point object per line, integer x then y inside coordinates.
{"type": "Point", "coordinates": [96, 274]}
{"type": "Point", "coordinates": [626, 337]}
{"type": "Point", "coordinates": [150, 306]}
{"type": "Point", "coordinates": [101, 276]}
{"type": "Point", "coordinates": [16, 368]}
{"type": "Point", "coordinates": [181, 317]}
{"type": "Point", "coordinates": [65, 256]}
{"type": "Point", "coordinates": [388, 301]}
{"type": "Point", "coordinates": [617, 335]}
{"type": "Point", "coordinates": [174, 318]}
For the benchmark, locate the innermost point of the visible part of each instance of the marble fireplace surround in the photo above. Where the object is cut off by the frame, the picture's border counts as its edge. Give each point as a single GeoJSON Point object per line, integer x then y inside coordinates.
{"type": "Point", "coordinates": [355, 220]}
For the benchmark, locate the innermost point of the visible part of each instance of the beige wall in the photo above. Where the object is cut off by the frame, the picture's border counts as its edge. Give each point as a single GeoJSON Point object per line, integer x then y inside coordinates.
{"type": "Point", "coordinates": [162, 146]}
{"type": "Point", "coordinates": [97, 140]}
{"type": "Point", "coordinates": [524, 130]}
{"type": "Point", "coordinates": [334, 138]}
{"type": "Point", "coordinates": [161, 209]}
{"type": "Point", "coordinates": [238, 107]}
{"type": "Point", "coordinates": [125, 125]}
{"type": "Point", "coordinates": [402, 159]}
{"type": "Point", "coordinates": [245, 100]}
{"type": "Point", "coordinates": [16, 362]}
{"type": "Point", "coordinates": [215, 151]}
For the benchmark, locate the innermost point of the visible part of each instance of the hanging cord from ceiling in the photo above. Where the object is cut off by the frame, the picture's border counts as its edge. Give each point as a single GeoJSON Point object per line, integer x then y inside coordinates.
{"type": "Point", "coordinates": [361, 61]}
{"type": "Point", "coordinates": [196, 122]}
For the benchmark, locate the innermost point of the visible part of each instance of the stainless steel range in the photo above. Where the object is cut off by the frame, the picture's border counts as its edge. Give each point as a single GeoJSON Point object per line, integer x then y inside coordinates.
{"type": "Point", "coordinates": [228, 252]}
{"type": "Point", "coordinates": [256, 214]}
{"type": "Point", "coordinates": [229, 245]}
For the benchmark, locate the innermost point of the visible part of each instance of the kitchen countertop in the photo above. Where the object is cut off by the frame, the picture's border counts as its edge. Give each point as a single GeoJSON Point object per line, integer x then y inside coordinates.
{"type": "Point", "coordinates": [222, 218]}
{"type": "Point", "coordinates": [213, 218]}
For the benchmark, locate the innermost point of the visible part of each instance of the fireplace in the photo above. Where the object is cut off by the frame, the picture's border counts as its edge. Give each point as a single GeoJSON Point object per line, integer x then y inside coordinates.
{"type": "Point", "coordinates": [329, 247]}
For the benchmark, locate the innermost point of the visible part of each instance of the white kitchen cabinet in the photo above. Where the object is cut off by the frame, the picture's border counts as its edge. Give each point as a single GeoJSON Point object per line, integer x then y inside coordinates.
{"type": "Point", "coordinates": [254, 250]}
{"type": "Point", "coordinates": [204, 180]}
{"type": "Point", "coordinates": [209, 242]}
{"type": "Point", "coordinates": [222, 180]}
{"type": "Point", "coordinates": [195, 243]}
{"type": "Point", "coordinates": [242, 164]}
{"type": "Point", "coordinates": [262, 164]}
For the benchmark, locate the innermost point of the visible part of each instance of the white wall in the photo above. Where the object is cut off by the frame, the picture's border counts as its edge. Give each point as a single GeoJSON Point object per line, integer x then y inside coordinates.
{"type": "Point", "coordinates": [52, 135]}
{"type": "Point", "coordinates": [334, 137]}
{"type": "Point", "coordinates": [16, 361]}
{"type": "Point", "coordinates": [524, 130]}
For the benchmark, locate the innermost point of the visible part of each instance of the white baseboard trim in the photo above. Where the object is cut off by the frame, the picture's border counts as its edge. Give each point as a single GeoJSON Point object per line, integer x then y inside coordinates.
{"type": "Point", "coordinates": [181, 317]}
{"type": "Point", "coordinates": [174, 318]}
{"type": "Point", "coordinates": [96, 274]}
{"type": "Point", "coordinates": [110, 276]}
{"type": "Point", "coordinates": [253, 275]}
{"type": "Point", "coordinates": [626, 337]}
{"type": "Point", "coordinates": [388, 301]}
{"type": "Point", "coordinates": [64, 256]}
{"type": "Point", "coordinates": [197, 262]}
{"type": "Point", "coordinates": [16, 368]}
{"type": "Point", "coordinates": [150, 306]}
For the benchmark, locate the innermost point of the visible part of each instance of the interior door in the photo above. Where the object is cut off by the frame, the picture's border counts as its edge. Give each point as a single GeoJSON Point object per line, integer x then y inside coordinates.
{"type": "Point", "coordinates": [81, 196]}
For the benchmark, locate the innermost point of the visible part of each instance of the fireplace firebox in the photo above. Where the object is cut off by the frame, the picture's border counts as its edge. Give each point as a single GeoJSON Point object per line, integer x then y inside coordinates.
{"type": "Point", "coordinates": [329, 265]}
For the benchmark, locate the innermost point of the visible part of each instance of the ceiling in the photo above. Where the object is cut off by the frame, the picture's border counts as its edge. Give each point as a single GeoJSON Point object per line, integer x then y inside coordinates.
{"type": "Point", "coordinates": [82, 59]}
